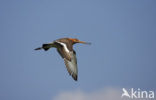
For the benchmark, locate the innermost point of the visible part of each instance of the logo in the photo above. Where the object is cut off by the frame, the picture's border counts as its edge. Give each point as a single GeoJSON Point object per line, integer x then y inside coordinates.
{"type": "Point", "coordinates": [134, 94]}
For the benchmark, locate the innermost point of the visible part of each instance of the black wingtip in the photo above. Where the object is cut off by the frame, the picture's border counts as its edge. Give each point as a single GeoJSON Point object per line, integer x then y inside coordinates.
{"type": "Point", "coordinates": [75, 77]}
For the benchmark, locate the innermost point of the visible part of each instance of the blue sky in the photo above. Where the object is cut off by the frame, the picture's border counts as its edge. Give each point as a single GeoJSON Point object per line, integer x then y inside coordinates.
{"type": "Point", "coordinates": [122, 54]}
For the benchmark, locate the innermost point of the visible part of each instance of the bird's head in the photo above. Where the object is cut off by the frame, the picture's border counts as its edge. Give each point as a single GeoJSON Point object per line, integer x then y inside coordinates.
{"type": "Point", "coordinates": [74, 40]}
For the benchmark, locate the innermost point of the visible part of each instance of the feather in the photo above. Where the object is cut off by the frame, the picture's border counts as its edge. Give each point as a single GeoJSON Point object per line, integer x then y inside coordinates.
{"type": "Point", "coordinates": [72, 66]}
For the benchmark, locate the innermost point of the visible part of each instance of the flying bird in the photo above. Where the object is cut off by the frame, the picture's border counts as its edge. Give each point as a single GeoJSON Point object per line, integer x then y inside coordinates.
{"type": "Point", "coordinates": [64, 47]}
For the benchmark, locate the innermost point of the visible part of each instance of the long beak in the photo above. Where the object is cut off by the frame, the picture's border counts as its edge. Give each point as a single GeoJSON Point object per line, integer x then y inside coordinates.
{"type": "Point", "coordinates": [84, 42]}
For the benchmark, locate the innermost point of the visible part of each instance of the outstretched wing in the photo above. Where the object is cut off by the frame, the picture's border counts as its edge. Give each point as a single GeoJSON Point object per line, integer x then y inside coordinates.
{"type": "Point", "coordinates": [72, 65]}
{"type": "Point", "coordinates": [69, 59]}
{"type": "Point", "coordinates": [63, 50]}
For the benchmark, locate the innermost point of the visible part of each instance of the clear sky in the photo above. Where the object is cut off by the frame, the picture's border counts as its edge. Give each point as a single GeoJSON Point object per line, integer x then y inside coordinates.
{"type": "Point", "coordinates": [122, 54]}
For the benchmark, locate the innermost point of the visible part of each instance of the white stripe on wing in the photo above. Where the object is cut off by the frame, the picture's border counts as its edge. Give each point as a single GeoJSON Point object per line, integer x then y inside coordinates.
{"type": "Point", "coordinates": [64, 45]}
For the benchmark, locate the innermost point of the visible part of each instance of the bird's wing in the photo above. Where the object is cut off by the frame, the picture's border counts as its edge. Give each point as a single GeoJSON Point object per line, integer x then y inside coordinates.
{"type": "Point", "coordinates": [63, 50]}
{"type": "Point", "coordinates": [72, 66]}
{"type": "Point", "coordinates": [69, 59]}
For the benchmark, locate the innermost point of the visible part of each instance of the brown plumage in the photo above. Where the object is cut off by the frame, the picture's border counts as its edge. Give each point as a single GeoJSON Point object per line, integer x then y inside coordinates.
{"type": "Point", "coordinates": [64, 47]}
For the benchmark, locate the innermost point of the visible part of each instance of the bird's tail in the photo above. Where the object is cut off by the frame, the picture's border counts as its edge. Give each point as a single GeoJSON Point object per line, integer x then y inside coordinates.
{"type": "Point", "coordinates": [44, 46]}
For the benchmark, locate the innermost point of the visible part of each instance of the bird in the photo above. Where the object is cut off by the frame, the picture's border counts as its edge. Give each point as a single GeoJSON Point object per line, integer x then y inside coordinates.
{"type": "Point", "coordinates": [64, 46]}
